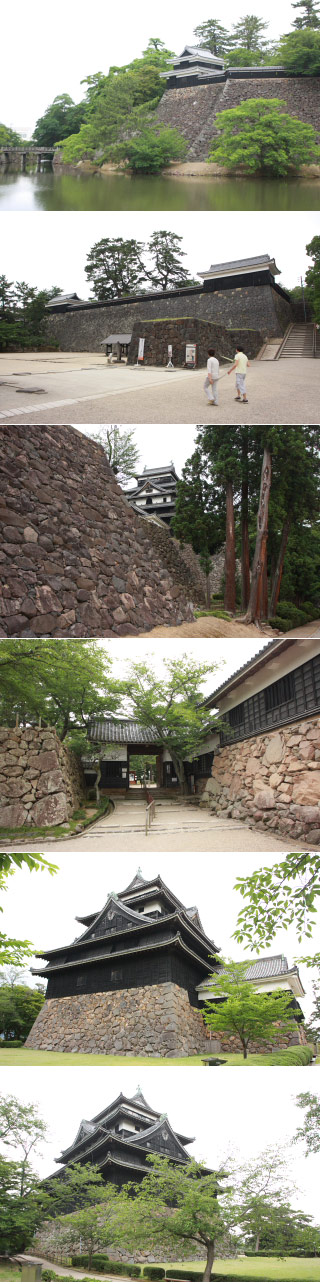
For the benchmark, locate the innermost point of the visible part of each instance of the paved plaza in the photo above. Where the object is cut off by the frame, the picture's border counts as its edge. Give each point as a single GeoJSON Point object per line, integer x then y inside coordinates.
{"type": "Point", "coordinates": [60, 387]}
{"type": "Point", "coordinates": [177, 827]}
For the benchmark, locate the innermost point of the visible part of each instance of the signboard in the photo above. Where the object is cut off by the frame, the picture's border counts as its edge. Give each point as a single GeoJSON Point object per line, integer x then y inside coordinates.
{"type": "Point", "coordinates": [169, 351]}
{"type": "Point", "coordinates": [191, 354]}
{"type": "Point", "coordinates": [141, 349]}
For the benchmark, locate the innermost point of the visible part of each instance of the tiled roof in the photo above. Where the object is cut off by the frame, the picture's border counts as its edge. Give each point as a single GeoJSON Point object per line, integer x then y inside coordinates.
{"type": "Point", "coordinates": [124, 732]}
{"type": "Point", "coordinates": [255, 261]}
{"type": "Point", "coordinates": [277, 965]}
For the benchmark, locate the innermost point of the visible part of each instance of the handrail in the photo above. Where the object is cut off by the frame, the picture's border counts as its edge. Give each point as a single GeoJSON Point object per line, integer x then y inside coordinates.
{"type": "Point", "coordinates": [314, 341]}
{"type": "Point", "coordinates": [150, 815]}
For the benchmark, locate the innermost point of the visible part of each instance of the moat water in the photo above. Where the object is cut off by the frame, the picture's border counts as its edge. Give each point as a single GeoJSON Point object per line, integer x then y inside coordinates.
{"type": "Point", "coordinates": [49, 191]}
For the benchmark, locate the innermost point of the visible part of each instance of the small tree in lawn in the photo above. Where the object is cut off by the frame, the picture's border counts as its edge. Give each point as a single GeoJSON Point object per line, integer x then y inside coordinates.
{"type": "Point", "coordinates": [242, 1011]}
{"type": "Point", "coordinates": [173, 706]}
{"type": "Point", "coordinates": [179, 1206]}
{"type": "Point", "coordinates": [260, 136]}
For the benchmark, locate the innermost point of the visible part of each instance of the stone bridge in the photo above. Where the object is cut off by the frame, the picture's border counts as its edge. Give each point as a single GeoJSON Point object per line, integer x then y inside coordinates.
{"type": "Point", "coordinates": [16, 157]}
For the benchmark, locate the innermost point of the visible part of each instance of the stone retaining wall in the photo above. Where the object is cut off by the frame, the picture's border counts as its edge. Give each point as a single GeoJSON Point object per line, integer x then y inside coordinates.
{"type": "Point", "coordinates": [182, 330]}
{"type": "Point", "coordinates": [41, 782]}
{"type": "Point", "coordinates": [243, 310]}
{"type": "Point", "coordinates": [180, 559]}
{"type": "Point", "coordinates": [272, 779]}
{"type": "Point", "coordinates": [192, 110]}
{"type": "Point", "coordinates": [75, 560]}
{"type": "Point", "coordinates": [147, 1021]}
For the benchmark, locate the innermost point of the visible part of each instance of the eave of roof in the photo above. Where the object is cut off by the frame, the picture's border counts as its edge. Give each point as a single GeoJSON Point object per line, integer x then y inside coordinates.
{"type": "Point", "coordinates": [100, 958]}
{"type": "Point", "coordinates": [251, 666]}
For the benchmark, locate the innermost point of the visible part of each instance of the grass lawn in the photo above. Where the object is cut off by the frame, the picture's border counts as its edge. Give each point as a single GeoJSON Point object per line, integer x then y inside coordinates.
{"type": "Point", "coordinates": [268, 1268]}
{"type": "Point", "coordinates": [10, 1273]}
{"type": "Point", "coordinates": [29, 1057]}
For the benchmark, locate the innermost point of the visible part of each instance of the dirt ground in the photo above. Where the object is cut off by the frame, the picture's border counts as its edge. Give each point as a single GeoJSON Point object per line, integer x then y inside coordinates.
{"type": "Point", "coordinates": [209, 626]}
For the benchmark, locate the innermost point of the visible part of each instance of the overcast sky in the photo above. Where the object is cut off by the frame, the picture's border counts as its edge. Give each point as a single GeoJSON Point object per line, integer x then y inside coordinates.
{"type": "Point", "coordinates": [158, 444]}
{"type": "Point", "coordinates": [45, 58]}
{"type": "Point", "coordinates": [50, 249]}
{"type": "Point", "coordinates": [43, 908]}
{"type": "Point", "coordinates": [225, 656]}
{"type": "Point", "coordinates": [242, 1115]}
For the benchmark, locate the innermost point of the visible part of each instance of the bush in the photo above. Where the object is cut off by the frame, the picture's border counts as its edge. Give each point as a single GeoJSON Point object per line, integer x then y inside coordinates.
{"type": "Point", "coordinates": [299, 1056]}
{"type": "Point", "coordinates": [153, 1273]}
{"type": "Point", "coordinates": [276, 622]}
{"type": "Point", "coordinates": [11, 1043]}
{"type": "Point", "coordinates": [262, 138]}
{"type": "Point", "coordinates": [153, 150]}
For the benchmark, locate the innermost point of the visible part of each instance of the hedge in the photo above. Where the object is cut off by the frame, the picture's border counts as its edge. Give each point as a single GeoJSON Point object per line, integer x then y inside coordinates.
{"type": "Point", "coordinates": [153, 1273]}
{"type": "Point", "coordinates": [300, 1056]}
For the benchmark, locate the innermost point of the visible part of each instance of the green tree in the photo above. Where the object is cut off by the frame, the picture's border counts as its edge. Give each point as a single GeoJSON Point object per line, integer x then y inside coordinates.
{"type": "Point", "coordinates": [9, 138]}
{"type": "Point", "coordinates": [113, 103]}
{"type": "Point", "coordinates": [279, 896]}
{"type": "Point", "coordinates": [95, 1227]}
{"type": "Point", "coordinates": [309, 1133]}
{"type": "Point", "coordinates": [19, 1213]}
{"type": "Point", "coordinates": [308, 15]}
{"type": "Point", "coordinates": [61, 118]}
{"type": "Point", "coordinates": [313, 275]}
{"type": "Point", "coordinates": [212, 35]}
{"type": "Point", "coordinates": [23, 310]}
{"type": "Point", "coordinates": [81, 1185]}
{"type": "Point", "coordinates": [299, 52]}
{"type": "Point", "coordinates": [248, 33]}
{"type": "Point", "coordinates": [313, 1029]}
{"type": "Point", "coordinates": [19, 1007]}
{"type": "Point", "coordinates": [250, 1015]}
{"type": "Point", "coordinates": [64, 685]}
{"type": "Point", "coordinates": [115, 268]}
{"type": "Point", "coordinates": [167, 271]}
{"type": "Point", "coordinates": [260, 136]}
{"type": "Point", "coordinates": [198, 519]}
{"type": "Point", "coordinates": [179, 1206]}
{"type": "Point", "coordinates": [152, 147]}
{"type": "Point", "coordinates": [120, 448]}
{"type": "Point", "coordinates": [172, 705]}
{"type": "Point", "coordinates": [243, 57]}
{"type": "Point", "coordinates": [21, 1128]}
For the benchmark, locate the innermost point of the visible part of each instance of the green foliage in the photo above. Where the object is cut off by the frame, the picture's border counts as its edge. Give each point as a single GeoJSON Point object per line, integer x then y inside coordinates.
{"type": "Point", "coordinates": [22, 311]}
{"type": "Point", "coordinates": [64, 684]}
{"type": "Point", "coordinates": [299, 52]}
{"type": "Point", "coordinates": [61, 118]}
{"type": "Point", "coordinates": [278, 896]}
{"type": "Point", "coordinates": [12, 952]}
{"type": "Point", "coordinates": [172, 705]}
{"type": "Point", "coordinates": [113, 103]}
{"type": "Point", "coordinates": [181, 1205]}
{"type": "Point", "coordinates": [120, 448]}
{"type": "Point", "coordinates": [309, 1133]}
{"type": "Point", "coordinates": [152, 149]}
{"type": "Point", "coordinates": [19, 1007]}
{"type": "Point", "coordinates": [166, 254]}
{"type": "Point", "coordinates": [8, 137]}
{"type": "Point", "coordinates": [313, 273]}
{"type": "Point", "coordinates": [212, 35]}
{"type": "Point", "coordinates": [247, 33]}
{"type": "Point", "coordinates": [115, 268]}
{"type": "Point", "coordinates": [250, 1015]}
{"type": "Point", "coordinates": [153, 1273]}
{"type": "Point", "coordinates": [260, 136]}
{"type": "Point", "coordinates": [309, 14]}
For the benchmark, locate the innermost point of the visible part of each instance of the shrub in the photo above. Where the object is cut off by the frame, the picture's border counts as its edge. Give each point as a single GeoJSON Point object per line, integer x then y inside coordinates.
{"type": "Point", "coordinates": [276, 622]}
{"type": "Point", "coordinates": [153, 1273]}
{"type": "Point", "coordinates": [260, 136]}
{"type": "Point", "coordinates": [299, 1056]}
{"type": "Point", "coordinates": [153, 149]}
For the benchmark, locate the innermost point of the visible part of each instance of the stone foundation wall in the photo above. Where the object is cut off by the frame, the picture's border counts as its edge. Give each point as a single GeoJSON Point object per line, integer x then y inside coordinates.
{"type": "Point", "coordinates": [243, 310]}
{"type": "Point", "coordinates": [182, 330]}
{"type": "Point", "coordinates": [41, 782]}
{"type": "Point", "coordinates": [45, 1244]}
{"type": "Point", "coordinates": [75, 560]}
{"type": "Point", "coordinates": [147, 1021]}
{"type": "Point", "coordinates": [272, 779]}
{"type": "Point", "coordinates": [180, 559]}
{"type": "Point", "coordinates": [193, 109]}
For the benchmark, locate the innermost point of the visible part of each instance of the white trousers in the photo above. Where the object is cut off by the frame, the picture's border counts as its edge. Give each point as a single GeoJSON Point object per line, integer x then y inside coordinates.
{"type": "Point", "coordinates": [211, 391]}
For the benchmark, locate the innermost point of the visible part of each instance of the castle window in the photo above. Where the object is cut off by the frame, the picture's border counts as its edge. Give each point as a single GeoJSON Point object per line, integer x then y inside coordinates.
{"type": "Point", "coordinates": [279, 692]}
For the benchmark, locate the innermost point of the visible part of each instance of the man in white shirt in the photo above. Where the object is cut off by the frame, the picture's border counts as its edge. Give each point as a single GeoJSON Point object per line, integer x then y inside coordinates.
{"type": "Point", "coordinates": [240, 365]}
{"type": "Point", "coordinates": [211, 382]}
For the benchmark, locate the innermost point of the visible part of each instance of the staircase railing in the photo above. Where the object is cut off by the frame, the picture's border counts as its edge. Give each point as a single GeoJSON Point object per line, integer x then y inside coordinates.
{"type": "Point", "coordinates": [285, 337]}
{"type": "Point", "coordinates": [314, 340]}
{"type": "Point", "coordinates": [150, 815]}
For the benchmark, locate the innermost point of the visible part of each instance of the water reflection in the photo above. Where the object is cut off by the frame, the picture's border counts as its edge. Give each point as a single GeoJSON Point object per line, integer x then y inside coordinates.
{"type": "Point", "coordinates": [48, 191]}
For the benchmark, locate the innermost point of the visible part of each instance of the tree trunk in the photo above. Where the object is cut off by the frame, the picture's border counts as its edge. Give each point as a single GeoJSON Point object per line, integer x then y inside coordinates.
{"type": "Point", "coordinates": [230, 584]}
{"type": "Point", "coordinates": [245, 1050]}
{"type": "Point", "coordinates": [257, 1243]}
{"type": "Point", "coordinates": [264, 598]}
{"type": "Point", "coordinates": [255, 608]}
{"type": "Point", "coordinates": [276, 584]}
{"type": "Point", "coordinates": [179, 769]}
{"type": "Point", "coordinates": [245, 556]}
{"type": "Point", "coordinates": [209, 1261]}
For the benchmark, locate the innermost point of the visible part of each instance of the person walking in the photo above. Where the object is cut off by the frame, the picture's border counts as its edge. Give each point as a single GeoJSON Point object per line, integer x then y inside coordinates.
{"type": "Point", "coordinates": [240, 365]}
{"type": "Point", "coordinates": [211, 382]}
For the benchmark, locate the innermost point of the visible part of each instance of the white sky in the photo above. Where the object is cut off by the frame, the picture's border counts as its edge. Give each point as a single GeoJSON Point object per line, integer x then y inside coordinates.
{"type": "Point", "coordinates": [243, 1115]}
{"type": "Point", "coordinates": [43, 908]}
{"type": "Point", "coordinates": [44, 59]}
{"type": "Point", "coordinates": [227, 655]}
{"type": "Point", "coordinates": [50, 249]}
{"type": "Point", "coordinates": [158, 444]}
